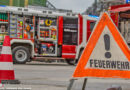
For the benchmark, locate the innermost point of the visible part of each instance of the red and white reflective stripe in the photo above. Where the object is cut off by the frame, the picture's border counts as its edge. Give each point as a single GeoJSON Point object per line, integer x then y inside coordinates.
{"type": "Point", "coordinates": [6, 50]}
{"type": "Point", "coordinates": [6, 66]}
{"type": "Point", "coordinates": [68, 54]}
{"type": "Point", "coordinates": [7, 75]}
{"type": "Point", "coordinates": [6, 58]}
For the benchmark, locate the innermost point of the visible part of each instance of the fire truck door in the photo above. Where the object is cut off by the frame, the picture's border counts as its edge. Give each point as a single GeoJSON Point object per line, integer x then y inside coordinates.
{"type": "Point", "coordinates": [70, 37]}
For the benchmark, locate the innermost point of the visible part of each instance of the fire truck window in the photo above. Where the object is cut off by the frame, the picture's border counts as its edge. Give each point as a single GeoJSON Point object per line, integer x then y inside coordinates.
{"type": "Point", "coordinates": [67, 38]}
{"type": "Point", "coordinates": [70, 31]}
{"type": "Point", "coordinates": [92, 24]}
{"type": "Point", "coordinates": [74, 38]}
{"type": "Point", "coordinates": [70, 38]}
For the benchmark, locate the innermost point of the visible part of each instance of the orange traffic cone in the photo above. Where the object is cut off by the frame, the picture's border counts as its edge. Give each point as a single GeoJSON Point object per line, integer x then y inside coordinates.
{"type": "Point", "coordinates": [25, 34]}
{"type": "Point", "coordinates": [6, 61]}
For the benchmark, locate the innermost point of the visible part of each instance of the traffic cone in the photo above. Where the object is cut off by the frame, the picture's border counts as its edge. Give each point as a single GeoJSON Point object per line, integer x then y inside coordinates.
{"type": "Point", "coordinates": [25, 34]}
{"type": "Point", "coordinates": [6, 63]}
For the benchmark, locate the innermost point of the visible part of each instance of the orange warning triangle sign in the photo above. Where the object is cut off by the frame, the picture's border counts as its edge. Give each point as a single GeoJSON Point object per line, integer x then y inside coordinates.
{"type": "Point", "coordinates": [106, 55]}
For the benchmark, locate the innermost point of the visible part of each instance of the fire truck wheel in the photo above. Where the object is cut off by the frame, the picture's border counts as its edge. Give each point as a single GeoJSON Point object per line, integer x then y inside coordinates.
{"type": "Point", "coordinates": [21, 55]}
{"type": "Point", "coordinates": [70, 61]}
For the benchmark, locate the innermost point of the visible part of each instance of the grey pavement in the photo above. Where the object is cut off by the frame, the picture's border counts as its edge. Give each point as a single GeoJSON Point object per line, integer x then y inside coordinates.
{"type": "Point", "coordinates": [56, 76]}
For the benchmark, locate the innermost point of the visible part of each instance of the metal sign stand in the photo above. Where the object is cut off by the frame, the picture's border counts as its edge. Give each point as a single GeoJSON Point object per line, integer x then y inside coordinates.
{"type": "Point", "coordinates": [84, 84]}
{"type": "Point", "coordinates": [72, 82]}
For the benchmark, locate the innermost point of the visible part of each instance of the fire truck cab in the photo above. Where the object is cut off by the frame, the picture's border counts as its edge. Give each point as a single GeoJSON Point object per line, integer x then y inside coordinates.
{"type": "Point", "coordinates": [45, 34]}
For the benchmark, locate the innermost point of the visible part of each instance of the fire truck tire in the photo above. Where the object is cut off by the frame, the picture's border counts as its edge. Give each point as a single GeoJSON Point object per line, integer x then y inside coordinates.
{"type": "Point", "coordinates": [21, 54]}
{"type": "Point", "coordinates": [70, 61]}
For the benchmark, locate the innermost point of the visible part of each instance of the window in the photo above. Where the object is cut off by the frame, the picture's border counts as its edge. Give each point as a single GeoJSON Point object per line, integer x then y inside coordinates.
{"type": "Point", "coordinates": [92, 24]}
{"type": "Point", "coordinates": [70, 31]}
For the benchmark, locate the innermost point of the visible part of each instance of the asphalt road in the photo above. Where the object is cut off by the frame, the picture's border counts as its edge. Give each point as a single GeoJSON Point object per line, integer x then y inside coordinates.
{"type": "Point", "coordinates": [56, 76]}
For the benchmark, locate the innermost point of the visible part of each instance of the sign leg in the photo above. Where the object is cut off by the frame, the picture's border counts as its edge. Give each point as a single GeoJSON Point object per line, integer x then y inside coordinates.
{"type": "Point", "coordinates": [84, 84]}
{"type": "Point", "coordinates": [71, 84]}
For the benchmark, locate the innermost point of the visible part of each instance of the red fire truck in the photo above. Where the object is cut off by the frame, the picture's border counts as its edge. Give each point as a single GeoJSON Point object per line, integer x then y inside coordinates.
{"type": "Point", "coordinates": [121, 17]}
{"type": "Point", "coordinates": [45, 34]}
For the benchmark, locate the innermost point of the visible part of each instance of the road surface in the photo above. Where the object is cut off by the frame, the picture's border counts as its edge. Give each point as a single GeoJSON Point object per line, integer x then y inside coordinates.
{"type": "Point", "coordinates": [56, 76]}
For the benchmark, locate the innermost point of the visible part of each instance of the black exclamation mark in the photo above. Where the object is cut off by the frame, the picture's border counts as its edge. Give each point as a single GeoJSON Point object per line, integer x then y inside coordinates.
{"type": "Point", "coordinates": [107, 45]}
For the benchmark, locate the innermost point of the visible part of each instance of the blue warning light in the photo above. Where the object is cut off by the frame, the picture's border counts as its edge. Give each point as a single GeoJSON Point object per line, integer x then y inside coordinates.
{"type": "Point", "coordinates": [127, 1]}
{"type": "Point", "coordinates": [2, 5]}
{"type": "Point", "coordinates": [94, 16]}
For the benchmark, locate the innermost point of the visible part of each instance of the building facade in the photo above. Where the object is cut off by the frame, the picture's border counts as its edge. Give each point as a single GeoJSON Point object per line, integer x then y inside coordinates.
{"type": "Point", "coordinates": [102, 5]}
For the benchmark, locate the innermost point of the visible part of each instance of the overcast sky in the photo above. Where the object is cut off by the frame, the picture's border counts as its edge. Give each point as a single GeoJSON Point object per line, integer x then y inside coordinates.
{"type": "Point", "coordinates": [75, 5]}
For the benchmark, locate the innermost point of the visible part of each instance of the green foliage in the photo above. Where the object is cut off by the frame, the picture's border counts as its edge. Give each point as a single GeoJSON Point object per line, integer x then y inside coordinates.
{"type": "Point", "coordinates": [37, 2]}
{"type": "Point", "coordinates": [20, 3]}
{"type": "Point", "coordinates": [4, 2]}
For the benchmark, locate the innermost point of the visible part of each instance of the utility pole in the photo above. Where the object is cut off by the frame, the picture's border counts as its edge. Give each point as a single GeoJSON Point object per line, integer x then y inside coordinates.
{"type": "Point", "coordinates": [26, 3]}
{"type": "Point", "coordinates": [11, 3]}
